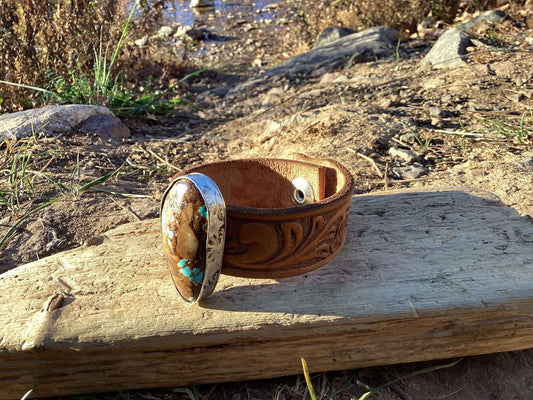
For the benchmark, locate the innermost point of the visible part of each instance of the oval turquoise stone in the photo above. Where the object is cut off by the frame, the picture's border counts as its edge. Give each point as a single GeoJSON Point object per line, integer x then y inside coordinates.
{"type": "Point", "coordinates": [184, 219]}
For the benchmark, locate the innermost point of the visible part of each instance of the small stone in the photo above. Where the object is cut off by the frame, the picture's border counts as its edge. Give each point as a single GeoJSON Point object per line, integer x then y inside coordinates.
{"type": "Point", "coordinates": [446, 99]}
{"type": "Point", "coordinates": [457, 157]}
{"type": "Point", "coordinates": [181, 31]}
{"type": "Point", "coordinates": [142, 41]}
{"type": "Point", "coordinates": [408, 138]}
{"type": "Point", "coordinates": [410, 171]}
{"type": "Point", "coordinates": [385, 103]}
{"type": "Point", "coordinates": [333, 77]}
{"type": "Point", "coordinates": [197, 33]}
{"type": "Point", "coordinates": [184, 231]}
{"type": "Point", "coordinates": [517, 97]}
{"type": "Point", "coordinates": [435, 112]}
{"type": "Point", "coordinates": [526, 162]}
{"type": "Point", "coordinates": [436, 121]}
{"type": "Point", "coordinates": [406, 155]}
{"type": "Point", "coordinates": [165, 31]}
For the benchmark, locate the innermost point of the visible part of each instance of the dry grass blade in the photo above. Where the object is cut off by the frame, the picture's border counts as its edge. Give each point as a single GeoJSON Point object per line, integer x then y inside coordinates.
{"type": "Point", "coordinates": [412, 374]}
{"type": "Point", "coordinates": [370, 160]}
{"type": "Point", "coordinates": [308, 380]}
{"type": "Point", "coordinates": [76, 190]}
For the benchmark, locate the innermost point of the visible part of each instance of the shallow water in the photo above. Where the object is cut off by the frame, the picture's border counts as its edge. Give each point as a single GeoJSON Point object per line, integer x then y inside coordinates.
{"type": "Point", "coordinates": [179, 12]}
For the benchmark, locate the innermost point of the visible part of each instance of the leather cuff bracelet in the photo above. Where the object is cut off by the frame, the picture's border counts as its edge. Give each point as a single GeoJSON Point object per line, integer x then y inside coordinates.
{"type": "Point", "coordinates": [257, 218]}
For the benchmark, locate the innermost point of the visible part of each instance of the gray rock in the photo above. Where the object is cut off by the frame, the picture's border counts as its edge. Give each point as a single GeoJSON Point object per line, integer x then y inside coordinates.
{"type": "Point", "coordinates": [333, 77]}
{"type": "Point", "coordinates": [409, 172]}
{"type": "Point", "coordinates": [404, 154]}
{"type": "Point", "coordinates": [106, 126]}
{"type": "Point", "coordinates": [197, 33]}
{"type": "Point", "coordinates": [373, 43]}
{"type": "Point", "coordinates": [487, 16]}
{"type": "Point", "coordinates": [331, 34]}
{"type": "Point", "coordinates": [181, 31]}
{"type": "Point", "coordinates": [435, 112]}
{"type": "Point", "coordinates": [408, 138]}
{"type": "Point", "coordinates": [450, 49]}
{"type": "Point", "coordinates": [526, 162]}
{"type": "Point", "coordinates": [166, 31]}
{"type": "Point", "coordinates": [516, 97]}
{"type": "Point", "coordinates": [142, 41]}
{"type": "Point", "coordinates": [60, 119]}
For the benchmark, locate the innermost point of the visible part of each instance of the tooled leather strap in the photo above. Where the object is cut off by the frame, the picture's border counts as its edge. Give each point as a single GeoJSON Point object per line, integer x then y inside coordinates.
{"type": "Point", "coordinates": [267, 236]}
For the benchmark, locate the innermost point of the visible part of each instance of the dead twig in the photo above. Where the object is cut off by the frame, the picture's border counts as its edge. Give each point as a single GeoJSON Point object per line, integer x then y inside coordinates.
{"type": "Point", "coordinates": [153, 154]}
{"type": "Point", "coordinates": [386, 178]}
{"type": "Point", "coordinates": [127, 209]}
{"type": "Point", "coordinates": [370, 160]}
{"type": "Point", "coordinates": [459, 133]}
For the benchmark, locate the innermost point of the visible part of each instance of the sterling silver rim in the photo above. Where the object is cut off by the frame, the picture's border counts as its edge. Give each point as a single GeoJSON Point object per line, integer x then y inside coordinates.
{"type": "Point", "coordinates": [216, 229]}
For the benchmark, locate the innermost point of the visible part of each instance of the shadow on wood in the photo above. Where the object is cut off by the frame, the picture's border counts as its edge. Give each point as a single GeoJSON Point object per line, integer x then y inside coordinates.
{"type": "Point", "coordinates": [423, 275]}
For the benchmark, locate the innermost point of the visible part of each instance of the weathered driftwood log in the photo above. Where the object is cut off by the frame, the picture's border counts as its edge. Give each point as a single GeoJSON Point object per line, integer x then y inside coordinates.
{"type": "Point", "coordinates": [422, 276]}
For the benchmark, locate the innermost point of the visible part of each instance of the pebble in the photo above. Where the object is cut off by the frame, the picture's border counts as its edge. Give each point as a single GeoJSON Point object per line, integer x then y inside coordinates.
{"type": "Point", "coordinates": [333, 77]}
{"type": "Point", "coordinates": [408, 138]}
{"type": "Point", "coordinates": [181, 30]}
{"type": "Point", "coordinates": [410, 171]}
{"type": "Point", "coordinates": [165, 31]}
{"type": "Point", "coordinates": [517, 97]}
{"type": "Point", "coordinates": [385, 103]}
{"type": "Point", "coordinates": [196, 33]}
{"type": "Point", "coordinates": [435, 112]}
{"type": "Point", "coordinates": [446, 99]}
{"type": "Point", "coordinates": [142, 41]}
{"type": "Point", "coordinates": [406, 155]}
{"type": "Point", "coordinates": [526, 162]}
{"type": "Point", "coordinates": [436, 121]}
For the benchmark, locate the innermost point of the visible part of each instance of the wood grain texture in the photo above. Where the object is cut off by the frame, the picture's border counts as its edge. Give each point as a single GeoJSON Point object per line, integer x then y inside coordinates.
{"type": "Point", "coordinates": [423, 275]}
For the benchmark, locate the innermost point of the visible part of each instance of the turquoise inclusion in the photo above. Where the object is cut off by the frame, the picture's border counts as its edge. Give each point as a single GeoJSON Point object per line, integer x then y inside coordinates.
{"type": "Point", "coordinates": [195, 275]}
{"type": "Point", "coordinates": [203, 210]}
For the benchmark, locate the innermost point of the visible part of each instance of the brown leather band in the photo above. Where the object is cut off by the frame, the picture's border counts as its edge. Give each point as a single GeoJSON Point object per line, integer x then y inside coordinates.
{"type": "Point", "coordinates": [267, 236]}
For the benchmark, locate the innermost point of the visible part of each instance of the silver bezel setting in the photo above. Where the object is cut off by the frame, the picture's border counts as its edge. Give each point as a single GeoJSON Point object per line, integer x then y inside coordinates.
{"type": "Point", "coordinates": [216, 229]}
{"type": "Point", "coordinates": [303, 192]}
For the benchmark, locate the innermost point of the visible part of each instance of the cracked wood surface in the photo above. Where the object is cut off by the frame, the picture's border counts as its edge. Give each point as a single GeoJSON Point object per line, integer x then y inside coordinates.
{"type": "Point", "coordinates": [423, 275]}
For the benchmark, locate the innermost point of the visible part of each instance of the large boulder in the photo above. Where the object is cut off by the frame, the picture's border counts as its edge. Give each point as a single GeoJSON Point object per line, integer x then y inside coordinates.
{"type": "Point", "coordinates": [61, 119]}
{"type": "Point", "coordinates": [370, 44]}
